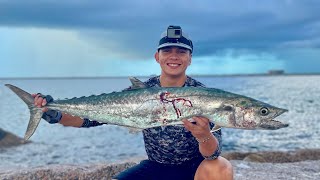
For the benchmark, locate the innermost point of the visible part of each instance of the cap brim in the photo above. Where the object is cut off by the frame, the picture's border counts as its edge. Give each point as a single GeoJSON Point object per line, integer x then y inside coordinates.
{"type": "Point", "coordinates": [174, 44]}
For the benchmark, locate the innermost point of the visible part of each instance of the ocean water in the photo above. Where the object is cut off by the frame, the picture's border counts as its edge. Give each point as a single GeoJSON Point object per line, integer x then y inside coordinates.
{"type": "Point", "coordinates": [55, 144]}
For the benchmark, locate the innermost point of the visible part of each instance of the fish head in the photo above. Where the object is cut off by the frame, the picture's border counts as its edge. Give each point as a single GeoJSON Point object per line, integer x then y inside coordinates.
{"type": "Point", "coordinates": [253, 114]}
{"type": "Point", "coordinates": [268, 121]}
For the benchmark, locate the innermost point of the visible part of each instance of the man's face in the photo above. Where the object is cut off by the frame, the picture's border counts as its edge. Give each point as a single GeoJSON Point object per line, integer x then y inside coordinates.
{"type": "Point", "coordinates": [173, 60]}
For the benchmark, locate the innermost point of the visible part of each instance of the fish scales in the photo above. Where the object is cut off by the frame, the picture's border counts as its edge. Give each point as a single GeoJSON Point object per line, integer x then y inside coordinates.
{"type": "Point", "coordinates": [135, 108]}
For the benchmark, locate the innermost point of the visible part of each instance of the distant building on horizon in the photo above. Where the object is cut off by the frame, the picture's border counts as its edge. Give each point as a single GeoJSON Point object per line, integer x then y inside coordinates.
{"type": "Point", "coordinates": [275, 71]}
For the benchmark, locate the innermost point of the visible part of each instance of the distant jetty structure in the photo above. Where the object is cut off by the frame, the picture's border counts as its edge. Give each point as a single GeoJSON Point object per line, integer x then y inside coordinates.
{"type": "Point", "coordinates": [275, 72]}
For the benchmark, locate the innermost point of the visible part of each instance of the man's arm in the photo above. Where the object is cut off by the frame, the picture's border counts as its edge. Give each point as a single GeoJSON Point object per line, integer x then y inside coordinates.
{"type": "Point", "coordinates": [69, 120]}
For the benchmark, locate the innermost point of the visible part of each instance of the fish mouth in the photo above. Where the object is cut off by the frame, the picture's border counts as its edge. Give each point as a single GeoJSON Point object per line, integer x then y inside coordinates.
{"type": "Point", "coordinates": [281, 112]}
{"type": "Point", "coordinates": [273, 124]}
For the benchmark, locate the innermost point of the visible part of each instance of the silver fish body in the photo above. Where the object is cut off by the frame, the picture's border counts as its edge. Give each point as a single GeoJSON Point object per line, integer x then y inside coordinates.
{"type": "Point", "coordinates": [151, 107]}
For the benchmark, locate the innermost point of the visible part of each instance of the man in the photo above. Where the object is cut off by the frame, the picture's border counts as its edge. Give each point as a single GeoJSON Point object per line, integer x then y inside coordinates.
{"type": "Point", "coordinates": [183, 152]}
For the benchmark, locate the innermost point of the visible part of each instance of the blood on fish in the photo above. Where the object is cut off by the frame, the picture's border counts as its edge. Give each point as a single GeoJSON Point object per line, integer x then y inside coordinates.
{"type": "Point", "coordinates": [163, 99]}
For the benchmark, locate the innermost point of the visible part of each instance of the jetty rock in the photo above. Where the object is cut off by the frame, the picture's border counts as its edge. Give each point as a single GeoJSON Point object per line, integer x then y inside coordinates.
{"type": "Point", "coordinates": [243, 170]}
{"type": "Point", "coordinates": [8, 139]}
{"type": "Point", "coordinates": [302, 164]}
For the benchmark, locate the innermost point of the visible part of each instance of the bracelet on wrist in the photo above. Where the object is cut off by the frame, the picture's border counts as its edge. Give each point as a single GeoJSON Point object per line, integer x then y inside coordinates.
{"type": "Point", "coordinates": [203, 140]}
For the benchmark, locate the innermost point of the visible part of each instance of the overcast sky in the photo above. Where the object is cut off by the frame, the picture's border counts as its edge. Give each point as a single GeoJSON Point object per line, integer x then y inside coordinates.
{"type": "Point", "coordinates": [119, 38]}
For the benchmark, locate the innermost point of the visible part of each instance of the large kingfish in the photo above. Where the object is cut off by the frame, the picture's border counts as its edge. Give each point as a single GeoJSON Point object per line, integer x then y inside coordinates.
{"type": "Point", "coordinates": [142, 107]}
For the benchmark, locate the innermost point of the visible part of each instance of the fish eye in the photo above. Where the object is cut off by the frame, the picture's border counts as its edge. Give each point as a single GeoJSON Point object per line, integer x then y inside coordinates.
{"type": "Point", "coordinates": [264, 111]}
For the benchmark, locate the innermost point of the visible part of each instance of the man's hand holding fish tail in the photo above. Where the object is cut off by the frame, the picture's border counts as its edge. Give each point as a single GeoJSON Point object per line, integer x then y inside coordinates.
{"type": "Point", "coordinates": [53, 116]}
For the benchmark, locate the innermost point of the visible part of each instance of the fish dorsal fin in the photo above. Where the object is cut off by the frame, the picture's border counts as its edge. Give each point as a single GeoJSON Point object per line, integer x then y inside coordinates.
{"type": "Point", "coordinates": [136, 83]}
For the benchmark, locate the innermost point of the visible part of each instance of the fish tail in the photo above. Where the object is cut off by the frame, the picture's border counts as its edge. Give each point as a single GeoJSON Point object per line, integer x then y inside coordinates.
{"type": "Point", "coordinates": [35, 112]}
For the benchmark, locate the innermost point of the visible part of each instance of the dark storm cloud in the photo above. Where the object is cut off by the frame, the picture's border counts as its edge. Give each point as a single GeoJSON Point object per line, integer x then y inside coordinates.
{"type": "Point", "coordinates": [213, 25]}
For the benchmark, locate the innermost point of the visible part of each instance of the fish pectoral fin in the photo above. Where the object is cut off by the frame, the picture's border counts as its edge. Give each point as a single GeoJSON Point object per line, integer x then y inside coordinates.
{"type": "Point", "coordinates": [215, 128]}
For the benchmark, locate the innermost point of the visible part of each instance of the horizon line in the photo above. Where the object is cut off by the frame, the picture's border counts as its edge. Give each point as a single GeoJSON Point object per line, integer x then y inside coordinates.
{"type": "Point", "coordinates": [146, 76]}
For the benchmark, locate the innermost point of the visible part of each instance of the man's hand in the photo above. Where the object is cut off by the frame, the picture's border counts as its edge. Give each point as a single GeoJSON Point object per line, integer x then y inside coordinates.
{"type": "Point", "coordinates": [200, 129]}
{"type": "Point", "coordinates": [40, 101]}
{"type": "Point", "coordinates": [51, 116]}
